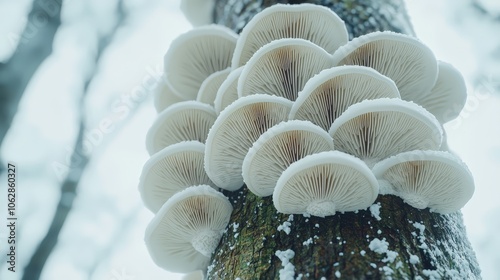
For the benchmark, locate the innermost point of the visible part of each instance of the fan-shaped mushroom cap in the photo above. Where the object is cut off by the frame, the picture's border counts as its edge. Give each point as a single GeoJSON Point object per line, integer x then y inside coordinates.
{"type": "Point", "coordinates": [210, 86]}
{"type": "Point", "coordinates": [327, 95]}
{"type": "Point", "coordinates": [198, 12]}
{"type": "Point", "coordinates": [187, 229]}
{"type": "Point", "coordinates": [277, 148]}
{"type": "Point", "coordinates": [376, 129]}
{"type": "Point", "coordinates": [403, 58]}
{"type": "Point", "coordinates": [315, 23]}
{"type": "Point", "coordinates": [171, 170]}
{"type": "Point", "coordinates": [282, 68]}
{"type": "Point", "coordinates": [323, 183]}
{"type": "Point", "coordinates": [165, 95]}
{"type": "Point", "coordinates": [228, 91]}
{"type": "Point", "coordinates": [433, 179]}
{"type": "Point", "coordinates": [448, 96]}
{"type": "Point", "coordinates": [183, 121]}
{"type": "Point", "coordinates": [235, 130]}
{"type": "Point", "coordinates": [196, 54]}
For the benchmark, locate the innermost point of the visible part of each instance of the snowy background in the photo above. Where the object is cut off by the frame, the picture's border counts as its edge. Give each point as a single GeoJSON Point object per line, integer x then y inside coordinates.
{"type": "Point", "coordinates": [103, 237]}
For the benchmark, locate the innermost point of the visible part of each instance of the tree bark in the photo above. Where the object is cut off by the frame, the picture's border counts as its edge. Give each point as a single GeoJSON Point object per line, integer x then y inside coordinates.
{"type": "Point", "coordinates": [400, 243]}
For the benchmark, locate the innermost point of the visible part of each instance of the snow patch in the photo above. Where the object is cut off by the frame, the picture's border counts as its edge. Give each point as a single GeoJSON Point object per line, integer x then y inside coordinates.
{"type": "Point", "coordinates": [308, 242]}
{"type": "Point", "coordinates": [375, 210]}
{"type": "Point", "coordinates": [337, 274]}
{"type": "Point", "coordinates": [414, 259]}
{"type": "Point", "coordinates": [288, 270]}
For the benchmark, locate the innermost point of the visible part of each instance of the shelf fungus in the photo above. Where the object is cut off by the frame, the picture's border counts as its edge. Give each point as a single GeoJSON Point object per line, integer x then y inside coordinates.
{"type": "Point", "coordinates": [228, 91]}
{"type": "Point", "coordinates": [282, 68]}
{"type": "Point", "coordinates": [171, 170]}
{"type": "Point", "coordinates": [322, 124]}
{"type": "Point", "coordinates": [427, 179]}
{"type": "Point", "coordinates": [235, 130]}
{"type": "Point", "coordinates": [403, 58]}
{"type": "Point", "coordinates": [314, 23]}
{"type": "Point", "coordinates": [210, 86]}
{"type": "Point", "coordinates": [324, 183]}
{"type": "Point", "coordinates": [327, 95]}
{"type": "Point", "coordinates": [186, 230]}
{"type": "Point", "coordinates": [195, 55]}
{"type": "Point", "coordinates": [183, 121]}
{"type": "Point", "coordinates": [165, 95]}
{"type": "Point", "coordinates": [373, 130]}
{"type": "Point", "coordinates": [277, 148]}
{"type": "Point", "coordinates": [448, 96]}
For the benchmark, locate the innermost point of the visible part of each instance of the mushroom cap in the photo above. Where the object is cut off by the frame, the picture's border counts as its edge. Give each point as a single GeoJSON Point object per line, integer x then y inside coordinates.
{"type": "Point", "coordinates": [165, 95]}
{"type": "Point", "coordinates": [196, 275]}
{"type": "Point", "coordinates": [376, 129]}
{"type": "Point", "coordinates": [327, 95]}
{"type": "Point", "coordinates": [315, 23]}
{"type": "Point", "coordinates": [171, 170]}
{"type": "Point", "coordinates": [198, 12]}
{"type": "Point", "coordinates": [282, 68]}
{"type": "Point", "coordinates": [277, 148]}
{"type": "Point", "coordinates": [235, 130]}
{"type": "Point", "coordinates": [434, 179]}
{"type": "Point", "coordinates": [196, 54]}
{"type": "Point", "coordinates": [187, 229]}
{"type": "Point", "coordinates": [210, 86]}
{"type": "Point", "coordinates": [228, 91]}
{"type": "Point", "coordinates": [403, 58]}
{"type": "Point", "coordinates": [183, 121]}
{"type": "Point", "coordinates": [323, 183]}
{"type": "Point", "coordinates": [448, 96]}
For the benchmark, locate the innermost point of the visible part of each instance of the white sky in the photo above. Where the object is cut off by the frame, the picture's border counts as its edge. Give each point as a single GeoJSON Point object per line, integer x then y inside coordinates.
{"type": "Point", "coordinates": [44, 131]}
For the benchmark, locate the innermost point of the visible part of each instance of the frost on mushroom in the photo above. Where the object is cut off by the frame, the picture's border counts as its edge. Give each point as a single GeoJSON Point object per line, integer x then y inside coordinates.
{"type": "Point", "coordinates": [327, 95]}
{"type": "Point", "coordinates": [376, 129]}
{"type": "Point", "coordinates": [227, 92]}
{"type": "Point", "coordinates": [184, 233]}
{"type": "Point", "coordinates": [448, 96]}
{"type": "Point", "coordinates": [183, 121]}
{"type": "Point", "coordinates": [277, 148]}
{"type": "Point", "coordinates": [165, 95]}
{"type": "Point", "coordinates": [196, 54]}
{"type": "Point", "coordinates": [315, 23]}
{"type": "Point", "coordinates": [403, 58]}
{"type": "Point", "coordinates": [282, 68]}
{"type": "Point", "coordinates": [434, 179]}
{"type": "Point", "coordinates": [325, 183]}
{"type": "Point", "coordinates": [172, 170]}
{"type": "Point", "coordinates": [235, 130]}
{"type": "Point", "coordinates": [210, 86]}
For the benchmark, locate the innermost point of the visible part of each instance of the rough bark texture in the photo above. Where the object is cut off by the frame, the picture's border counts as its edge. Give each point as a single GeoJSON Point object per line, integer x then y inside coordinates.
{"type": "Point", "coordinates": [404, 244]}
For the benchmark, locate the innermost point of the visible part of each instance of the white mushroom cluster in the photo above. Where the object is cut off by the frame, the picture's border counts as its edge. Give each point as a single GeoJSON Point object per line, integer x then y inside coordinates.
{"type": "Point", "coordinates": [293, 110]}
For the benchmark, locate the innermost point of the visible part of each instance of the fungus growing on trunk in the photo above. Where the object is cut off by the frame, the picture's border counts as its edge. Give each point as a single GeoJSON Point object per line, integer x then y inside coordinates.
{"type": "Point", "coordinates": [171, 170]}
{"type": "Point", "coordinates": [235, 130]}
{"type": "Point", "coordinates": [324, 183]}
{"type": "Point", "coordinates": [210, 86]}
{"type": "Point", "coordinates": [196, 54]}
{"type": "Point", "coordinates": [186, 230]}
{"type": "Point", "coordinates": [376, 129]}
{"type": "Point", "coordinates": [228, 91]}
{"type": "Point", "coordinates": [327, 95]}
{"type": "Point", "coordinates": [403, 58]}
{"type": "Point", "coordinates": [183, 121]}
{"type": "Point", "coordinates": [314, 23]}
{"type": "Point", "coordinates": [282, 68]}
{"type": "Point", "coordinates": [277, 148]}
{"type": "Point", "coordinates": [434, 179]}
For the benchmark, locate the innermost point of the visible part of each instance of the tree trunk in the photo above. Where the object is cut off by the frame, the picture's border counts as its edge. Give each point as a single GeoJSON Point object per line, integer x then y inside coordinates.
{"type": "Point", "coordinates": [400, 242]}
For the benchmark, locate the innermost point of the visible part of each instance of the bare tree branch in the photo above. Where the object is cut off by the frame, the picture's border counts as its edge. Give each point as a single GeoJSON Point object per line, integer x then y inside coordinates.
{"type": "Point", "coordinates": [79, 161]}
{"type": "Point", "coordinates": [35, 45]}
